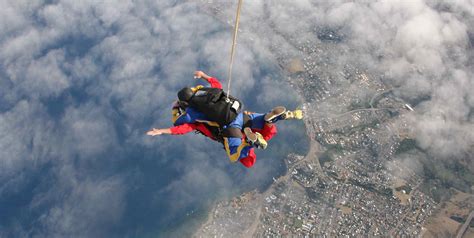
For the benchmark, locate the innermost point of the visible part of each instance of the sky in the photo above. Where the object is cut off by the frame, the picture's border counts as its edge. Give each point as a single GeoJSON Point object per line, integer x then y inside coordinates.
{"type": "Point", "coordinates": [82, 81]}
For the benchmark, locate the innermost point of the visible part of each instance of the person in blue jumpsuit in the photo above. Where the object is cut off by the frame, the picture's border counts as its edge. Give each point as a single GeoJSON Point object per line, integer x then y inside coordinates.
{"type": "Point", "coordinates": [237, 148]}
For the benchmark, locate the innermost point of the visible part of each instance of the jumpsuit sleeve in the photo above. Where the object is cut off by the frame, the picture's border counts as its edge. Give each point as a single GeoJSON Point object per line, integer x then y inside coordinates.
{"type": "Point", "coordinates": [214, 83]}
{"type": "Point", "coordinates": [182, 129]}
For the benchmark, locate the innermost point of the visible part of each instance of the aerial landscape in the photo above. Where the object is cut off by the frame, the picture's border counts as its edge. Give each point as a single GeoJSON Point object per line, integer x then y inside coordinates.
{"type": "Point", "coordinates": [365, 173]}
{"type": "Point", "coordinates": [385, 147]}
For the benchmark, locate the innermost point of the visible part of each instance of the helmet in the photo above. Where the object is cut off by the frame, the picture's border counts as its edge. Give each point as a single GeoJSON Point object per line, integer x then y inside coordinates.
{"type": "Point", "coordinates": [185, 94]}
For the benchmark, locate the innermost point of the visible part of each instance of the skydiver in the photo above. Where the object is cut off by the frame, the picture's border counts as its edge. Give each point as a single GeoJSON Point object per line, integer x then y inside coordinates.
{"type": "Point", "coordinates": [259, 124]}
{"type": "Point", "coordinates": [238, 146]}
{"type": "Point", "coordinates": [211, 105]}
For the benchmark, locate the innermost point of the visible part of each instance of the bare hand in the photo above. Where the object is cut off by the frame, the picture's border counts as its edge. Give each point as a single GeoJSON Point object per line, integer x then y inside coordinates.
{"type": "Point", "coordinates": [198, 74]}
{"type": "Point", "coordinates": [154, 132]}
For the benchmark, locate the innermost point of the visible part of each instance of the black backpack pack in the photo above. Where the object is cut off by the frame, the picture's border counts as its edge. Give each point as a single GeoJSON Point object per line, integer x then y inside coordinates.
{"type": "Point", "coordinates": [215, 104]}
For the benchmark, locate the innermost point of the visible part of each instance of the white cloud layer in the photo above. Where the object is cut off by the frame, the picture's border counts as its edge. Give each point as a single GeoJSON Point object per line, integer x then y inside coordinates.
{"type": "Point", "coordinates": [81, 81]}
{"type": "Point", "coordinates": [424, 49]}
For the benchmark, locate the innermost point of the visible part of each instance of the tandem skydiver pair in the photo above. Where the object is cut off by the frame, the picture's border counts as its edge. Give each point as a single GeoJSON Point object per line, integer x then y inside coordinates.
{"type": "Point", "coordinates": [213, 113]}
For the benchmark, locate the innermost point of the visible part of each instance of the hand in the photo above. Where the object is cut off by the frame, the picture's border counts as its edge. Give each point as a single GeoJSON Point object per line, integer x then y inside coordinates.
{"type": "Point", "coordinates": [198, 74]}
{"type": "Point", "coordinates": [155, 132]}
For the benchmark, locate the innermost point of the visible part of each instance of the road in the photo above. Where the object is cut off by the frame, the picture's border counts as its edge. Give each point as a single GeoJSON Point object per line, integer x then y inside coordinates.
{"type": "Point", "coordinates": [465, 225]}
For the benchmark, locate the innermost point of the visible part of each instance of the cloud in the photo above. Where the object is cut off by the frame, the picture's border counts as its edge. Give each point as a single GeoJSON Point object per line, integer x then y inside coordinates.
{"type": "Point", "coordinates": [87, 131]}
{"type": "Point", "coordinates": [424, 48]}
{"type": "Point", "coordinates": [25, 129]}
{"type": "Point", "coordinates": [422, 51]}
{"type": "Point", "coordinates": [405, 166]}
{"type": "Point", "coordinates": [90, 208]}
{"type": "Point", "coordinates": [81, 82]}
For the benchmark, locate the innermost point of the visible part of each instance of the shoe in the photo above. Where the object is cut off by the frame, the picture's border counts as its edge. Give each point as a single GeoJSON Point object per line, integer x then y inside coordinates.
{"type": "Point", "coordinates": [255, 138]}
{"type": "Point", "coordinates": [277, 111]}
{"type": "Point", "coordinates": [296, 114]}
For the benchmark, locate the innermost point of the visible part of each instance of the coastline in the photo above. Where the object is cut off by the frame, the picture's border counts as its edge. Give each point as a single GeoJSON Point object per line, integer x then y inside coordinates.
{"type": "Point", "coordinates": [258, 197]}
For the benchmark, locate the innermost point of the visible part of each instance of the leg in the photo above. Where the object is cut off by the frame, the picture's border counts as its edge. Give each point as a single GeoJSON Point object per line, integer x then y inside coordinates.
{"type": "Point", "coordinates": [236, 148]}
{"type": "Point", "coordinates": [255, 138]}
{"type": "Point", "coordinates": [264, 123]}
{"type": "Point", "coordinates": [249, 161]}
{"type": "Point", "coordinates": [274, 114]}
{"type": "Point", "coordinates": [259, 120]}
{"type": "Point", "coordinates": [280, 113]}
{"type": "Point", "coordinates": [268, 131]}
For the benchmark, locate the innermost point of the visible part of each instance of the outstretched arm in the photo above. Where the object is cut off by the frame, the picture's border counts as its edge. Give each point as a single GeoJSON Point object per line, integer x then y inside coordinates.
{"type": "Point", "coordinates": [175, 130]}
{"type": "Point", "coordinates": [155, 132]}
{"type": "Point", "coordinates": [213, 81]}
{"type": "Point", "coordinates": [199, 74]}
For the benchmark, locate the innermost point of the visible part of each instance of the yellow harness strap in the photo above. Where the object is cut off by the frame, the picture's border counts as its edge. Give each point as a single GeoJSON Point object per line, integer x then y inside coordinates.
{"type": "Point", "coordinates": [197, 88]}
{"type": "Point", "coordinates": [175, 114]}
